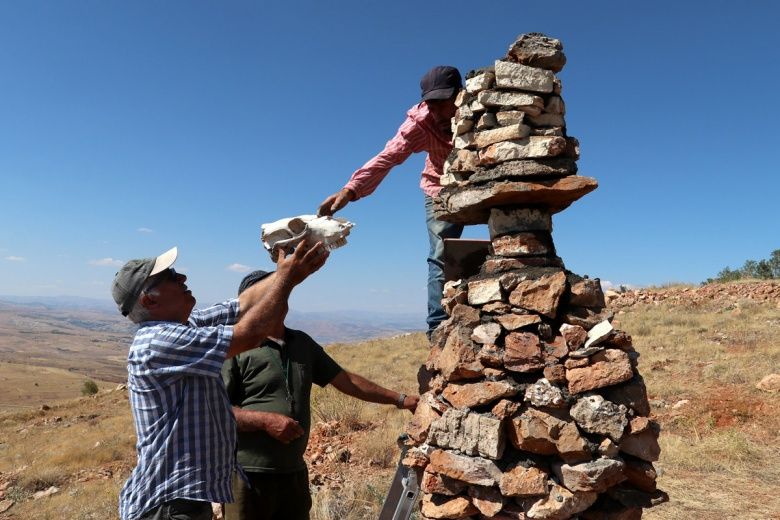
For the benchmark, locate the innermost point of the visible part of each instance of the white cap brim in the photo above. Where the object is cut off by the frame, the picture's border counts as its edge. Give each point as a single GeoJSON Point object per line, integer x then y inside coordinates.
{"type": "Point", "coordinates": [164, 261]}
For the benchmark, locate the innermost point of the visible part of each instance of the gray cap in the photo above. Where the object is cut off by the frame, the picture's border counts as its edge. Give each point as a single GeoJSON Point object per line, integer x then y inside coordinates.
{"type": "Point", "coordinates": [130, 280]}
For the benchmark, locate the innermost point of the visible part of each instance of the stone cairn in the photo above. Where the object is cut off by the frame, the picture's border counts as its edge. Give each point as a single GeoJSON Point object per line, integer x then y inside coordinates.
{"type": "Point", "coordinates": [531, 405]}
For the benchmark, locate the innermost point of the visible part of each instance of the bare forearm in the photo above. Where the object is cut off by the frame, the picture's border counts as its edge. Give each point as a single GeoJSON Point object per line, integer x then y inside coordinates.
{"type": "Point", "coordinates": [363, 389]}
{"type": "Point", "coordinates": [262, 312]}
{"type": "Point", "coordinates": [250, 420]}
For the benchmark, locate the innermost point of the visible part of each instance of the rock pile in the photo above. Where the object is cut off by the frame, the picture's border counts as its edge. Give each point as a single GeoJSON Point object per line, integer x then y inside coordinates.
{"type": "Point", "coordinates": [719, 293]}
{"type": "Point", "coordinates": [531, 404]}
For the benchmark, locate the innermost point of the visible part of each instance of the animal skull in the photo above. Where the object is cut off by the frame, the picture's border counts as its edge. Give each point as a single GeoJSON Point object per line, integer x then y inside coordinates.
{"type": "Point", "coordinates": [289, 232]}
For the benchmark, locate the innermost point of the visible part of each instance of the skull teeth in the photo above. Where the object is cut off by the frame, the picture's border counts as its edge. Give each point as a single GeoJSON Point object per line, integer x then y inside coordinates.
{"type": "Point", "coordinates": [336, 244]}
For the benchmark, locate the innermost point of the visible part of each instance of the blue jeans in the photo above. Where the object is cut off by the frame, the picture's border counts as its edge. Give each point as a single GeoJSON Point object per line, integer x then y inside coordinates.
{"type": "Point", "coordinates": [437, 231]}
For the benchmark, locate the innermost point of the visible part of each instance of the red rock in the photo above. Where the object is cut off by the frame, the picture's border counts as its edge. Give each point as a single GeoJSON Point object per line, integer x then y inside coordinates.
{"type": "Point", "coordinates": [561, 504]}
{"type": "Point", "coordinates": [555, 374]}
{"type": "Point", "coordinates": [540, 295]}
{"type": "Point", "coordinates": [606, 368]}
{"type": "Point", "coordinates": [474, 470]}
{"type": "Point", "coordinates": [586, 293]}
{"type": "Point", "coordinates": [415, 458]}
{"type": "Point", "coordinates": [522, 352]}
{"type": "Point", "coordinates": [442, 507]}
{"type": "Point", "coordinates": [544, 434]}
{"type": "Point", "coordinates": [424, 415]}
{"type": "Point", "coordinates": [576, 363]}
{"type": "Point", "coordinates": [490, 356]}
{"type": "Point", "coordinates": [596, 475]}
{"type": "Point", "coordinates": [639, 424]}
{"type": "Point", "coordinates": [476, 394]}
{"type": "Point", "coordinates": [557, 348]}
{"type": "Point", "coordinates": [640, 474]}
{"type": "Point", "coordinates": [574, 335]}
{"type": "Point", "coordinates": [505, 408]}
{"type": "Point", "coordinates": [488, 500]}
{"type": "Point", "coordinates": [440, 485]}
{"type": "Point", "coordinates": [458, 360]}
{"type": "Point", "coordinates": [513, 322]}
{"type": "Point", "coordinates": [620, 339]}
{"type": "Point", "coordinates": [643, 445]}
{"type": "Point", "coordinates": [497, 308]}
{"type": "Point", "coordinates": [520, 481]}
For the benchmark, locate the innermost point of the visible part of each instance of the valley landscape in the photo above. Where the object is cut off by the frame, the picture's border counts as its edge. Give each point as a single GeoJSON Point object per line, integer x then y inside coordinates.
{"type": "Point", "coordinates": [704, 352]}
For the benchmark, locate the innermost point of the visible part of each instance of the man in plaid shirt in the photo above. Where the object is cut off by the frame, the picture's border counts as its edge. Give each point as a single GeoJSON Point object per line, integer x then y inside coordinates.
{"type": "Point", "coordinates": [183, 419]}
{"type": "Point", "coordinates": [426, 129]}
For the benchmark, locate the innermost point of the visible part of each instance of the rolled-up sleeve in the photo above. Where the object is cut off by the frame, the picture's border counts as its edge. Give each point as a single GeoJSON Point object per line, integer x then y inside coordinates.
{"type": "Point", "coordinates": [225, 313]}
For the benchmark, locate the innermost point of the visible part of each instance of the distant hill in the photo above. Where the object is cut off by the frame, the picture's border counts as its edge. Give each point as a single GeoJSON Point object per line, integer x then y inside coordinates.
{"type": "Point", "coordinates": [88, 337]}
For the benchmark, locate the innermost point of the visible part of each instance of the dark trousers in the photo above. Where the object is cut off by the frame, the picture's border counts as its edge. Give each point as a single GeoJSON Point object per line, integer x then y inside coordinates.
{"type": "Point", "coordinates": [180, 509]}
{"type": "Point", "coordinates": [272, 497]}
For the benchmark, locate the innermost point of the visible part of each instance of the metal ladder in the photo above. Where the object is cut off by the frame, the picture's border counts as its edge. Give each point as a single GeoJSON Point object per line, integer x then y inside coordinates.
{"type": "Point", "coordinates": [402, 497]}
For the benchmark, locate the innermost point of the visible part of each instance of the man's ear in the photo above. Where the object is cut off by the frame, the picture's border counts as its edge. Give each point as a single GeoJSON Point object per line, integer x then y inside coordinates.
{"type": "Point", "coordinates": [148, 300]}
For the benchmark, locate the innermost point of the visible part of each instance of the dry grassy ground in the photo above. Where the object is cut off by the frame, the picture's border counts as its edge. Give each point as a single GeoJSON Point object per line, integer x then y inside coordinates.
{"type": "Point", "coordinates": [25, 386]}
{"type": "Point", "coordinates": [721, 448]}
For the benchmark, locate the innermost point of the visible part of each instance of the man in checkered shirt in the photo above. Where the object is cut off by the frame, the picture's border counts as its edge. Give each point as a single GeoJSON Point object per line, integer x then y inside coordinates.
{"type": "Point", "coordinates": [183, 419]}
{"type": "Point", "coordinates": [425, 129]}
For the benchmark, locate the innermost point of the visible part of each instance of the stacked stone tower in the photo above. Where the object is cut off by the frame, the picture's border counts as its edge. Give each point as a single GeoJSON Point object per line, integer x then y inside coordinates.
{"type": "Point", "coordinates": [532, 406]}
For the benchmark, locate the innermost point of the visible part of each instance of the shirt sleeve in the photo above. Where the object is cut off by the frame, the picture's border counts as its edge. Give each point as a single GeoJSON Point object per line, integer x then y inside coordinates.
{"type": "Point", "coordinates": [181, 350]}
{"type": "Point", "coordinates": [323, 367]}
{"type": "Point", "coordinates": [409, 139]}
{"type": "Point", "coordinates": [231, 376]}
{"type": "Point", "coordinates": [225, 313]}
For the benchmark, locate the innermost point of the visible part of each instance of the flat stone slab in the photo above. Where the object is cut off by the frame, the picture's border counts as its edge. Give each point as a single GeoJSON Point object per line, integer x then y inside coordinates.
{"type": "Point", "coordinates": [471, 205]}
{"type": "Point", "coordinates": [516, 170]}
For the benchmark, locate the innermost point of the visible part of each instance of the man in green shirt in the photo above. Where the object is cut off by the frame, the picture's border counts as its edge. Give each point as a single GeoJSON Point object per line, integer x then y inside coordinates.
{"type": "Point", "coordinates": [270, 390]}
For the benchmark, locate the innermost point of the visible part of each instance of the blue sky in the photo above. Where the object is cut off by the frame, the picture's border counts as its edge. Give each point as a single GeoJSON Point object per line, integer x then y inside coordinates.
{"type": "Point", "coordinates": [130, 127]}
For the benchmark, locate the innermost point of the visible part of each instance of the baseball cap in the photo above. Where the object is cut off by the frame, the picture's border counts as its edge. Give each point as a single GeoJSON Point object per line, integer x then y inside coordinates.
{"type": "Point", "coordinates": [130, 279]}
{"type": "Point", "coordinates": [441, 82]}
{"type": "Point", "coordinates": [251, 279]}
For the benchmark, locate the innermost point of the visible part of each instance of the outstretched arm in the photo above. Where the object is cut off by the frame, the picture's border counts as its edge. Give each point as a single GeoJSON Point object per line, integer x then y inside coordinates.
{"type": "Point", "coordinates": [365, 390]}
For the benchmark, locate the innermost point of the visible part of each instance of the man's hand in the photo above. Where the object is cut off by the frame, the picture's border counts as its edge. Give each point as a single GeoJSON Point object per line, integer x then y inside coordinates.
{"type": "Point", "coordinates": [282, 428]}
{"type": "Point", "coordinates": [335, 202]}
{"type": "Point", "coordinates": [410, 402]}
{"type": "Point", "coordinates": [304, 261]}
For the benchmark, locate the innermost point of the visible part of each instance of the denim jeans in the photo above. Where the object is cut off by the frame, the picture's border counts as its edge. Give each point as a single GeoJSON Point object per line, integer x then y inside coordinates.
{"type": "Point", "coordinates": [437, 231]}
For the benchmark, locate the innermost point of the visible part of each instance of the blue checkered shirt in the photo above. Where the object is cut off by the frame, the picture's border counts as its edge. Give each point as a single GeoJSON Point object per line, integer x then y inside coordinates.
{"type": "Point", "coordinates": [183, 418]}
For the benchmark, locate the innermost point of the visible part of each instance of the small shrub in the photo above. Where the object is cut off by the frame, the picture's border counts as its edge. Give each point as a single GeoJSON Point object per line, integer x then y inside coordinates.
{"type": "Point", "coordinates": [89, 387]}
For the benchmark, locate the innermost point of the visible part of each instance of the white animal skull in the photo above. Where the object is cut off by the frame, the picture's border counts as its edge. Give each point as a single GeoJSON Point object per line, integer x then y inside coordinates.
{"type": "Point", "coordinates": [289, 232]}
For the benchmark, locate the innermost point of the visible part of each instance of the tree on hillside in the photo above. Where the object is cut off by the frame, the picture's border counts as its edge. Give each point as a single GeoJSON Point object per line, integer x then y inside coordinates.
{"type": "Point", "coordinates": [89, 387]}
{"type": "Point", "coordinates": [766, 269]}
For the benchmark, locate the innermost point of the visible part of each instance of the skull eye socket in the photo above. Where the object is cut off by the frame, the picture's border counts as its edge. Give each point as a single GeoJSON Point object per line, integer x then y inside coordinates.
{"type": "Point", "coordinates": [297, 226]}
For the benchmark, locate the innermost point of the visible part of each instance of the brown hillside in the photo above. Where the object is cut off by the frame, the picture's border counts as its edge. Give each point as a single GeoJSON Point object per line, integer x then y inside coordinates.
{"type": "Point", "coordinates": [701, 358]}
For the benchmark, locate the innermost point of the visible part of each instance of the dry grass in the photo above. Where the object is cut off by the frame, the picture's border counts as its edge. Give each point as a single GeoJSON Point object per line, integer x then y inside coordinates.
{"type": "Point", "coordinates": [721, 450]}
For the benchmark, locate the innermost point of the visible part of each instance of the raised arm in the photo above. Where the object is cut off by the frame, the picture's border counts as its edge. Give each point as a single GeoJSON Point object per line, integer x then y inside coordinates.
{"type": "Point", "coordinates": [262, 307]}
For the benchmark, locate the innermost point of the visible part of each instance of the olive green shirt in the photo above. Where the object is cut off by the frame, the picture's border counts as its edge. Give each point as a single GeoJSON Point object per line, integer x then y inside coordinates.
{"type": "Point", "coordinates": [278, 379]}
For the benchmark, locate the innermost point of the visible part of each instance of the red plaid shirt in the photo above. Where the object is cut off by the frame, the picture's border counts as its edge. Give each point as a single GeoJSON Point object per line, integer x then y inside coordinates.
{"type": "Point", "coordinates": [418, 133]}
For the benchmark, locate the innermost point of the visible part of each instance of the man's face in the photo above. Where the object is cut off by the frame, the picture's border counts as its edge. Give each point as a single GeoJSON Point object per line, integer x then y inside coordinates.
{"type": "Point", "coordinates": [442, 110]}
{"type": "Point", "coordinates": [169, 297]}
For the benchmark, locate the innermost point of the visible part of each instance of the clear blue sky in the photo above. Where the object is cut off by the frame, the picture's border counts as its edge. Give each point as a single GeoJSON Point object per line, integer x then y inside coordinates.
{"type": "Point", "coordinates": [130, 127]}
